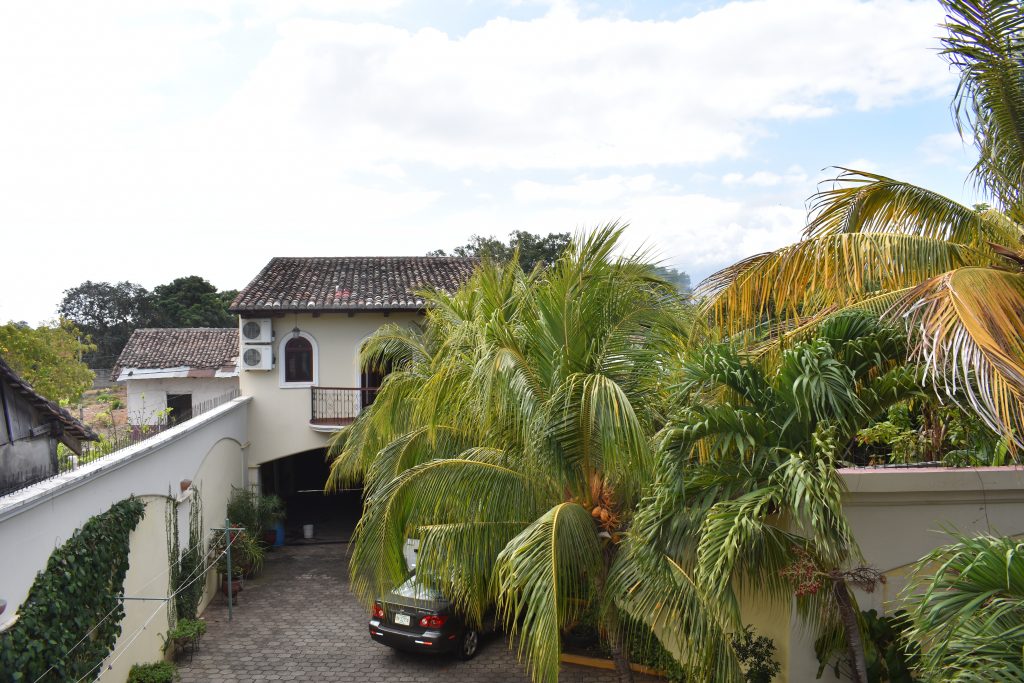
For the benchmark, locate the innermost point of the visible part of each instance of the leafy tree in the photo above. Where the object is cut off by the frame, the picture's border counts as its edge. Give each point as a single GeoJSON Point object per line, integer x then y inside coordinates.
{"type": "Point", "coordinates": [191, 302]}
{"type": "Point", "coordinates": [955, 272]}
{"type": "Point", "coordinates": [533, 249]}
{"type": "Point", "coordinates": [48, 358]}
{"type": "Point", "coordinates": [679, 278]}
{"type": "Point", "coordinates": [107, 313]}
{"type": "Point", "coordinates": [966, 607]}
{"type": "Point", "coordinates": [513, 440]}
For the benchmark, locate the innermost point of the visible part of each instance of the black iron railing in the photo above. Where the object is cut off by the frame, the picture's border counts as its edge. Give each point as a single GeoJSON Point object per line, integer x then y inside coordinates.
{"type": "Point", "coordinates": [339, 405]}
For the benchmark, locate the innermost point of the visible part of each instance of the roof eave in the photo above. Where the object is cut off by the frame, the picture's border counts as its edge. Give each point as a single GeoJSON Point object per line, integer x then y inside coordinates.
{"type": "Point", "coordinates": [253, 312]}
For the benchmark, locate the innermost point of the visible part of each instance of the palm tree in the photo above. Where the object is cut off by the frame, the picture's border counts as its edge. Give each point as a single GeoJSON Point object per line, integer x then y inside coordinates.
{"type": "Point", "coordinates": [953, 272]}
{"type": "Point", "coordinates": [749, 501]}
{"type": "Point", "coordinates": [966, 605]}
{"type": "Point", "coordinates": [514, 441]}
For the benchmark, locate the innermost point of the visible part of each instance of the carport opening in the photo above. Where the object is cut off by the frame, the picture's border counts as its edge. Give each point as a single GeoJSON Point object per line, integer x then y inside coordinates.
{"type": "Point", "coordinates": [299, 479]}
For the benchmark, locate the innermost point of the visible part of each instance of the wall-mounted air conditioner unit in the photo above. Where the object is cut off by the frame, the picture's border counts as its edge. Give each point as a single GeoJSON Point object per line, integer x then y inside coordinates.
{"type": "Point", "coordinates": [256, 330]}
{"type": "Point", "coordinates": [257, 357]}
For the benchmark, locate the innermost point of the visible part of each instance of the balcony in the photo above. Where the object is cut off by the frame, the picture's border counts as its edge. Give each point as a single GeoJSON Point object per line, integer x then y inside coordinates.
{"type": "Point", "coordinates": [335, 407]}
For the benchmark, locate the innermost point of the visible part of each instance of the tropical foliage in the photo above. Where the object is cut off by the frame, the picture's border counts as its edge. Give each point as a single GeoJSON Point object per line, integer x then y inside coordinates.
{"type": "Point", "coordinates": [966, 606]}
{"type": "Point", "coordinates": [875, 243]}
{"type": "Point", "coordinates": [513, 440]}
{"type": "Point", "coordinates": [748, 489]}
{"type": "Point", "coordinates": [553, 453]}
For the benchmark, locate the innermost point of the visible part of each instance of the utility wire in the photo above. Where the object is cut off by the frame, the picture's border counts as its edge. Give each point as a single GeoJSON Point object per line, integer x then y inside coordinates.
{"type": "Point", "coordinates": [120, 602]}
{"type": "Point", "coordinates": [139, 630]}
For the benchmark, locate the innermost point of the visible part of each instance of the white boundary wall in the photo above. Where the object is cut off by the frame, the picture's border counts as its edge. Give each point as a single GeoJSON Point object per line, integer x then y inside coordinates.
{"type": "Point", "coordinates": [899, 515]}
{"type": "Point", "coordinates": [208, 450]}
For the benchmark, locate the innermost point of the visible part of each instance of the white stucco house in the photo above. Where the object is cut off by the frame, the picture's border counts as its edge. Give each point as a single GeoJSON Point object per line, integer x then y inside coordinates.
{"type": "Point", "coordinates": [301, 324]}
{"type": "Point", "coordinates": [178, 369]}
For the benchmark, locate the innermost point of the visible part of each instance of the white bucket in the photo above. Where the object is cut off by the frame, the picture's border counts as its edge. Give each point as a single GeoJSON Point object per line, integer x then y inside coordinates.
{"type": "Point", "coordinates": [307, 531]}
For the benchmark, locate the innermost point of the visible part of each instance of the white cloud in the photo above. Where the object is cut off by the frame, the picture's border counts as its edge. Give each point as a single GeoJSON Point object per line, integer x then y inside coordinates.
{"type": "Point", "coordinates": [859, 164]}
{"type": "Point", "coordinates": [945, 148]}
{"type": "Point", "coordinates": [698, 231]}
{"type": "Point", "coordinates": [565, 92]}
{"type": "Point", "coordinates": [220, 133]}
{"type": "Point", "coordinates": [793, 176]}
{"type": "Point", "coordinates": [584, 190]}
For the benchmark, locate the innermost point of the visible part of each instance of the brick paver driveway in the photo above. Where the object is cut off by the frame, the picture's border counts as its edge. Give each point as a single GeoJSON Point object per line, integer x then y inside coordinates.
{"type": "Point", "coordinates": [298, 622]}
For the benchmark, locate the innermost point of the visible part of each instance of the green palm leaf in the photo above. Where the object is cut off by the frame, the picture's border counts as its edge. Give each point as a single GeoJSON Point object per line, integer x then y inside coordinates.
{"type": "Point", "coordinates": [966, 604]}
{"type": "Point", "coordinates": [544, 580]}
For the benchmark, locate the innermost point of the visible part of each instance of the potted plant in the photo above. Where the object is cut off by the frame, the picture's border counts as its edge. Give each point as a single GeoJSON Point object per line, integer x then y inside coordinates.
{"type": "Point", "coordinates": [238, 573]}
{"type": "Point", "coordinates": [270, 513]}
{"type": "Point", "coordinates": [246, 557]}
{"type": "Point", "coordinates": [259, 514]}
{"type": "Point", "coordinates": [158, 672]}
{"type": "Point", "coordinates": [186, 633]}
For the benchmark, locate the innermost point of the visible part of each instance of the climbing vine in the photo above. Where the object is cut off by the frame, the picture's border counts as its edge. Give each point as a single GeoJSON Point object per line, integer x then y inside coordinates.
{"type": "Point", "coordinates": [71, 618]}
{"type": "Point", "coordinates": [185, 566]}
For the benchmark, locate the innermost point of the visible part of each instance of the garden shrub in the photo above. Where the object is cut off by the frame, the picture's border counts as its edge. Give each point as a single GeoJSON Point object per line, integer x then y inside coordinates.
{"type": "Point", "coordinates": [158, 672]}
{"type": "Point", "coordinates": [757, 655]}
{"type": "Point", "coordinates": [185, 632]}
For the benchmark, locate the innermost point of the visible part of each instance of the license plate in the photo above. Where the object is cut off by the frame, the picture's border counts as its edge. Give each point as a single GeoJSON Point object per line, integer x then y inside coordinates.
{"type": "Point", "coordinates": [402, 619]}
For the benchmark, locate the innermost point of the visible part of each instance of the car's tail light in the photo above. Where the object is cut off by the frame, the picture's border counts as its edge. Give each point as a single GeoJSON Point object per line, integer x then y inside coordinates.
{"type": "Point", "coordinates": [433, 620]}
{"type": "Point", "coordinates": [378, 611]}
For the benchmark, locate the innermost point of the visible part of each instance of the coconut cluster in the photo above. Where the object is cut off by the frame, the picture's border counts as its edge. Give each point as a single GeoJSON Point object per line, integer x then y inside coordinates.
{"type": "Point", "coordinates": [604, 505]}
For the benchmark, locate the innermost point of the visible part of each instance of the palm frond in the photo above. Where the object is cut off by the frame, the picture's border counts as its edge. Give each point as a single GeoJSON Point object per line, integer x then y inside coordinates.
{"type": "Point", "coordinates": [476, 487]}
{"type": "Point", "coordinates": [859, 201]}
{"type": "Point", "coordinates": [691, 624]}
{"type": "Point", "coordinates": [544, 578]}
{"type": "Point", "coordinates": [966, 605]}
{"type": "Point", "coordinates": [829, 271]}
{"type": "Point", "coordinates": [984, 44]}
{"type": "Point", "coordinates": [971, 328]}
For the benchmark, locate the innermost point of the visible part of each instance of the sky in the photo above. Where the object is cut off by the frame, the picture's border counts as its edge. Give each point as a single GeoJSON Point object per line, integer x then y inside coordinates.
{"type": "Point", "coordinates": [149, 141]}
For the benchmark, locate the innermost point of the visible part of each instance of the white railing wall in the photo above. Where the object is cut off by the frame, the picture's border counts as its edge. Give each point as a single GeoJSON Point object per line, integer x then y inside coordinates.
{"type": "Point", "coordinates": [208, 450]}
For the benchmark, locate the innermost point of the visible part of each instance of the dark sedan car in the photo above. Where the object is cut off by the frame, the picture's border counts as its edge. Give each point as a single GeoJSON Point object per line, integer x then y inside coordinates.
{"type": "Point", "coordinates": [417, 619]}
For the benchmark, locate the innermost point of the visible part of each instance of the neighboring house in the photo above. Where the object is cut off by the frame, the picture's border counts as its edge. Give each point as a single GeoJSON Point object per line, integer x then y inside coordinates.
{"type": "Point", "coordinates": [169, 372]}
{"type": "Point", "coordinates": [302, 321]}
{"type": "Point", "coordinates": [32, 428]}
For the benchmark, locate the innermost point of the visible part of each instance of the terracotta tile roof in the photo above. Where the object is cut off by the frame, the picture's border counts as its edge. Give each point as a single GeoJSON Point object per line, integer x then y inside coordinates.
{"type": "Point", "coordinates": [356, 283]}
{"type": "Point", "coordinates": [208, 348]}
{"type": "Point", "coordinates": [44, 405]}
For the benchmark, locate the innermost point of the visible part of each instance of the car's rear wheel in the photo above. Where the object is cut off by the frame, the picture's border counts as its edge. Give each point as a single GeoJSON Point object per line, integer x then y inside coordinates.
{"type": "Point", "coordinates": [469, 644]}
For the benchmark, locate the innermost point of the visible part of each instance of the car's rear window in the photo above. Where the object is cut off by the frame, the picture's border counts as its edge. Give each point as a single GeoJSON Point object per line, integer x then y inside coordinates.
{"type": "Point", "coordinates": [412, 589]}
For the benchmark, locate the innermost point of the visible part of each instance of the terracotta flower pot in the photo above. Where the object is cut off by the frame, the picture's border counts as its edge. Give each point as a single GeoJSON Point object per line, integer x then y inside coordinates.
{"type": "Point", "coordinates": [236, 586]}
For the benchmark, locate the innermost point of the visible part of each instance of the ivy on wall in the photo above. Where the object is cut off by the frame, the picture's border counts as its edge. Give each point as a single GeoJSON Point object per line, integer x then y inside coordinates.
{"type": "Point", "coordinates": [71, 618]}
{"type": "Point", "coordinates": [184, 582]}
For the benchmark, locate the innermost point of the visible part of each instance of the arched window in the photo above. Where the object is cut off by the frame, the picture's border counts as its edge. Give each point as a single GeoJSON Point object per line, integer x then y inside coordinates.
{"type": "Point", "coordinates": [298, 360]}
